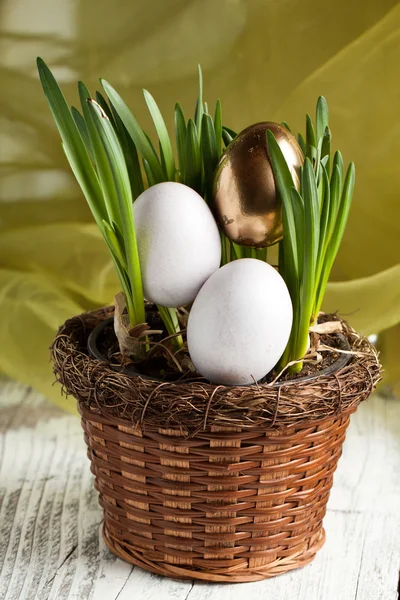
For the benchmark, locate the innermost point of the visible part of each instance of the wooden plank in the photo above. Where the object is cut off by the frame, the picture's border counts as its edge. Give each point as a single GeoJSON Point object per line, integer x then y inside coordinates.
{"type": "Point", "coordinates": [368, 477]}
{"type": "Point", "coordinates": [50, 520]}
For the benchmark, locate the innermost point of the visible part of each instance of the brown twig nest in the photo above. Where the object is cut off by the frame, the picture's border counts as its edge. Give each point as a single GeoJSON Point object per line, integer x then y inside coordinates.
{"type": "Point", "coordinates": [194, 405]}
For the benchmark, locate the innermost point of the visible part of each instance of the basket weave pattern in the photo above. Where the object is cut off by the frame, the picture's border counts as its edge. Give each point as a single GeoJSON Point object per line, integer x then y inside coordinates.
{"type": "Point", "coordinates": [228, 504]}
{"type": "Point", "coordinates": [212, 482]}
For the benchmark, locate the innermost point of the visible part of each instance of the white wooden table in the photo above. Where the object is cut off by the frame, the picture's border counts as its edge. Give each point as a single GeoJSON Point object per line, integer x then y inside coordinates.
{"type": "Point", "coordinates": [50, 520]}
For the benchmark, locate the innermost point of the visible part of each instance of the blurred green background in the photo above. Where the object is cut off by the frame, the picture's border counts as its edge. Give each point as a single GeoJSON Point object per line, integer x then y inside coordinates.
{"type": "Point", "coordinates": [266, 60]}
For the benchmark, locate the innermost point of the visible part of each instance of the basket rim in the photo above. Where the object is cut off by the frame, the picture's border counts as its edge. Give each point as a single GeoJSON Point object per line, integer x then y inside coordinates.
{"type": "Point", "coordinates": [192, 406]}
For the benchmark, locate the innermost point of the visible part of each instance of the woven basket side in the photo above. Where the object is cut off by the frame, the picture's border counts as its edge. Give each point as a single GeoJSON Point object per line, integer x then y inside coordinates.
{"type": "Point", "coordinates": [224, 505]}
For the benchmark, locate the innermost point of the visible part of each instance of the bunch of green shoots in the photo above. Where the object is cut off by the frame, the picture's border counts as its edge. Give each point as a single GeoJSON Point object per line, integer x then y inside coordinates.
{"type": "Point", "coordinates": [114, 160]}
{"type": "Point", "coordinates": [314, 220]}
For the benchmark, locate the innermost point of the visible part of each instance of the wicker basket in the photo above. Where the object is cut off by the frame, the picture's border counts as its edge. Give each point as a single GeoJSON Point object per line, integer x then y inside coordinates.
{"type": "Point", "coordinates": [232, 501]}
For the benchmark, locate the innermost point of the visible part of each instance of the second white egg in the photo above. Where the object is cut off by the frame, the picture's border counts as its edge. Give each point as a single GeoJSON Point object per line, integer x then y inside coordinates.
{"type": "Point", "coordinates": [240, 323]}
{"type": "Point", "coordinates": [178, 241]}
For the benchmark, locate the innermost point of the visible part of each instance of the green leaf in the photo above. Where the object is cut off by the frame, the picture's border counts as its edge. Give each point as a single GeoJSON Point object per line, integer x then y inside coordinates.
{"type": "Point", "coordinates": [170, 319]}
{"type": "Point", "coordinates": [238, 250]}
{"type": "Point", "coordinates": [232, 133]}
{"type": "Point", "coordinates": [209, 152]}
{"type": "Point", "coordinates": [73, 144]}
{"type": "Point", "coordinates": [335, 194]}
{"type": "Point", "coordinates": [105, 106]}
{"type": "Point", "coordinates": [311, 213]}
{"type": "Point", "coordinates": [325, 209]}
{"type": "Point", "coordinates": [337, 234]}
{"type": "Point", "coordinates": [81, 125]}
{"type": "Point", "coordinates": [324, 162]}
{"type": "Point", "coordinates": [310, 138]}
{"type": "Point", "coordinates": [198, 115]}
{"type": "Point", "coordinates": [131, 155]}
{"type": "Point", "coordinates": [302, 143]}
{"type": "Point", "coordinates": [310, 259]}
{"type": "Point", "coordinates": [163, 136]}
{"type": "Point", "coordinates": [326, 149]}
{"type": "Point", "coordinates": [137, 134]}
{"type": "Point", "coordinates": [298, 215]}
{"type": "Point", "coordinates": [218, 126]}
{"type": "Point", "coordinates": [226, 137]}
{"type": "Point", "coordinates": [122, 185]}
{"type": "Point", "coordinates": [180, 137]}
{"type": "Point", "coordinates": [284, 183]}
{"type": "Point", "coordinates": [322, 117]}
{"type": "Point", "coordinates": [149, 174]}
{"type": "Point", "coordinates": [326, 223]}
{"type": "Point", "coordinates": [114, 244]}
{"type": "Point", "coordinates": [100, 157]}
{"type": "Point", "coordinates": [284, 124]}
{"type": "Point", "coordinates": [338, 162]}
{"type": "Point", "coordinates": [193, 158]}
{"type": "Point", "coordinates": [343, 212]}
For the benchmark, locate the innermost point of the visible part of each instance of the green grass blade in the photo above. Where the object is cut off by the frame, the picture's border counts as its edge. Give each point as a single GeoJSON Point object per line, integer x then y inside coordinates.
{"type": "Point", "coordinates": [131, 155]}
{"type": "Point", "coordinates": [326, 149]}
{"type": "Point", "coordinates": [298, 214]}
{"type": "Point", "coordinates": [180, 137]}
{"type": "Point", "coordinates": [322, 117]}
{"type": "Point", "coordinates": [227, 138]}
{"type": "Point", "coordinates": [149, 174]}
{"type": "Point", "coordinates": [311, 213]}
{"type": "Point", "coordinates": [343, 213]}
{"type": "Point", "coordinates": [338, 162]}
{"type": "Point", "coordinates": [105, 106]}
{"type": "Point", "coordinates": [232, 133]}
{"type": "Point", "coordinates": [209, 152]}
{"type": "Point", "coordinates": [310, 138]}
{"type": "Point", "coordinates": [311, 241]}
{"type": "Point", "coordinates": [302, 143]}
{"type": "Point", "coordinates": [114, 244]}
{"type": "Point", "coordinates": [335, 194]}
{"type": "Point", "coordinates": [324, 190]}
{"type": "Point", "coordinates": [151, 145]}
{"type": "Point", "coordinates": [73, 144]}
{"type": "Point", "coordinates": [286, 126]}
{"type": "Point", "coordinates": [284, 182]}
{"type": "Point", "coordinates": [198, 115]}
{"type": "Point", "coordinates": [324, 163]}
{"type": "Point", "coordinates": [100, 157]}
{"type": "Point", "coordinates": [337, 235]}
{"type": "Point", "coordinates": [81, 125]}
{"type": "Point", "coordinates": [128, 147]}
{"type": "Point", "coordinates": [123, 190]}
{"type": "Point", "coordinates": [326, 222]}
{"type": "Point", "coordinates": [193, 158]}
{"type": "Point", "coordinates": [238, 250]}
{"type": "Point", "coordinates": [163, 136]}
{"type": "Point", "coordinates": [135, 131]}
{"type": "Point", "coordinates": [218, 126]}
{"type": "Point", "coordinates": [170, 320]}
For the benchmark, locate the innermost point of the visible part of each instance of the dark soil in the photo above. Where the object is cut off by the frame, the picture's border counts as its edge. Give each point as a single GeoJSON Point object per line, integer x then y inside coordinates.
{"type": "Point", "coordinates": [161, 367]}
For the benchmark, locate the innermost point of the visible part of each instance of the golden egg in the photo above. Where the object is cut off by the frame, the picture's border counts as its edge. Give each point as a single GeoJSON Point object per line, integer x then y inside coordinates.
{"type": "Point", "coordinates": [245, 197]}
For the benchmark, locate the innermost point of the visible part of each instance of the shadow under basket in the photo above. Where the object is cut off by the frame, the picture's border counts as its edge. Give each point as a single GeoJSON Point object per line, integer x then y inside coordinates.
{"type": "Point", "coordinates": [197, 481]}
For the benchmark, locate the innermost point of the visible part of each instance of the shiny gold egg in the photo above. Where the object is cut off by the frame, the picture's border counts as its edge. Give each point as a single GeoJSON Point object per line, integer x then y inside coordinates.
{"type": "Point", "coordinates": [245, 196]}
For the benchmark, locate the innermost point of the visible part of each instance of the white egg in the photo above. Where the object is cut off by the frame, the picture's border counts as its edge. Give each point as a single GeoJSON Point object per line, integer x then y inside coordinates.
{"type": "Point", "coordinates": [178, 241]}
{"type": "Point", "coordinates": [240, 323]}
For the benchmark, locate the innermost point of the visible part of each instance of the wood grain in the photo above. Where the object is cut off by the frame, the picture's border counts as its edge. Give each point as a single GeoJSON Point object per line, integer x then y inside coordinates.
{"type": "Point", "coordinates": [50, 522]}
